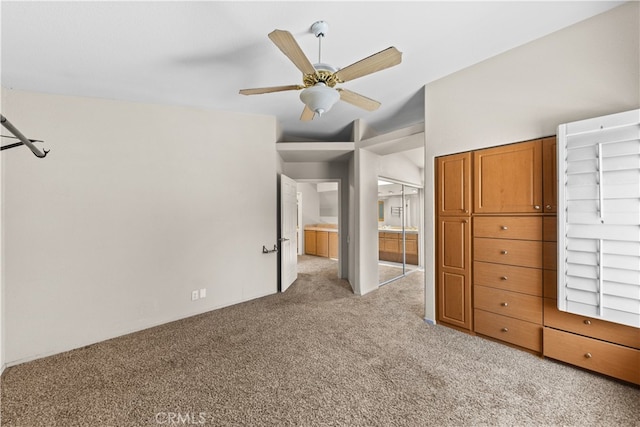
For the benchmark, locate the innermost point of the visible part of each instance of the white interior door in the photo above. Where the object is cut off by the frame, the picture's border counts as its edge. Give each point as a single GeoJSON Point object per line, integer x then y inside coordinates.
{"type": "Point", "coordinates": [288, 239]}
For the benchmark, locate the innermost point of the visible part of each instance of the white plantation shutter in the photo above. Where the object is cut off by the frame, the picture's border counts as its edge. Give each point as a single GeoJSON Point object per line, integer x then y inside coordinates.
{"type": "Point", "coordinates": [599, 217]}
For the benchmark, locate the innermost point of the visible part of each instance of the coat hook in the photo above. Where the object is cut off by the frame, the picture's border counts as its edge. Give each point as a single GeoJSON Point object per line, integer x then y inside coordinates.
{"type": "Point", "coordinates": [267, 251]}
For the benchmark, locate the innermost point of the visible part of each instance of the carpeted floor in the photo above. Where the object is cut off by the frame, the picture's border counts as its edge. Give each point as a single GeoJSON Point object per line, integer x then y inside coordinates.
{"type": "Point", "coordinates": [388, 271]}
{"type": "Point", "coordinates": [316, 355]}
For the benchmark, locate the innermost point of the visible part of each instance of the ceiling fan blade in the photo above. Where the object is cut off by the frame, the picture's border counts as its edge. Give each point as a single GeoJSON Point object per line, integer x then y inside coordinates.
{"type": "Point", "coordinates": [259, 90]}
{"type": "Point", "coordinates": [288, 45]}
{"type": "Point", "coordinates": [307, 114]}
{"type": "Point", "coordinates": [376, 62]}
{"type": "Point", "coordinates": [358, 100]}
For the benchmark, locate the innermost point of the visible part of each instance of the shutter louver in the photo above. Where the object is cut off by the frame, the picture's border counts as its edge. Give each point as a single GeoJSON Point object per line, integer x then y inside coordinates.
{"type": "Point", "coordinates": [599, 218]}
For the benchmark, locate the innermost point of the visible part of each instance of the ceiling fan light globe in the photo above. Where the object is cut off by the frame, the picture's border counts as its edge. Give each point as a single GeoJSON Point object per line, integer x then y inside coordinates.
{"type": "Point", "coordinates": [319, 98]}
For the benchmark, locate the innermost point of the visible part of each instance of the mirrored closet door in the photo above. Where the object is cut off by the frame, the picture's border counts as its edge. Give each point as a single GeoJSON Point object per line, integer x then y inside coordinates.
{"type": "Point", "coordinates": [399, 233]}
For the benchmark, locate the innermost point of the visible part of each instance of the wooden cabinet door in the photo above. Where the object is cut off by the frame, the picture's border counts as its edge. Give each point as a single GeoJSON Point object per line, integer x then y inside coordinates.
{"type": "Point", "coordinates": [508, 179]}
{"type": "Point", "coordinates": [310, 242]}
{"type": "Point", "coordinates": [454, 265]}
{"type": "Point", "coordinates": [549, 175]}
{"type": "Point", "coordinates": [333, 245]}
{"type": "Point", "coordinates": [322, 243]}
{"type": "Point", "coordinates": [453, 184]}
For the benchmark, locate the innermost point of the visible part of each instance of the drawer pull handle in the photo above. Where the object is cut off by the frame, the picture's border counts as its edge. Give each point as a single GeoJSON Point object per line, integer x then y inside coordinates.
{"type": "Point", "coordinates": [504, 304]}
{"type": "Point", "coordinates": [504, 330]}
{"type": "Point", "coordinates": [503, 252]}
{"type": "Point", "coordinates": [504, 227]}
{"type": "Point", "coordinates": [587, 322]}
{"type": "Point", "coordinates": [588, 355]}
{"type": "Point", "coordinates": [504, 278]}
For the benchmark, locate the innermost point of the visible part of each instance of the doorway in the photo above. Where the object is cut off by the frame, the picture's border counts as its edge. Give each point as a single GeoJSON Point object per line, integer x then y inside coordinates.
{"type": "Point", "coordinates": [319, 231]}
{"type": "Point", "coordinates": [399, 229]}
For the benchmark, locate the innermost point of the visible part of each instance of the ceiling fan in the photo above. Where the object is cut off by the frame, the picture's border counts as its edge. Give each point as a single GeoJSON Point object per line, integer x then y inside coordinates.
{"type": "Point", "coordinates": [319, 80]}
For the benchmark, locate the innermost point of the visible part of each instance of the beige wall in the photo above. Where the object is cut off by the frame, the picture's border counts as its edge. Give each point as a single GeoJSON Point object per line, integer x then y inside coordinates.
{"type": "Point", "coordinates": [398, 166]}
{"type": "Point", "coordinates": [586, 70]}
{"type": "Point", "coordinates": [367, 165]}
{"type": "Point", "coordinates": [135, 206]}
{"type": "Point", "coordinates": [2, 310]}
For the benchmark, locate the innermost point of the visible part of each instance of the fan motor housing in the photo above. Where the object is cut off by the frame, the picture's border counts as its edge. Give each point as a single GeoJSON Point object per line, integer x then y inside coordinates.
{"type": "Point", "coordinates": [325, 73]}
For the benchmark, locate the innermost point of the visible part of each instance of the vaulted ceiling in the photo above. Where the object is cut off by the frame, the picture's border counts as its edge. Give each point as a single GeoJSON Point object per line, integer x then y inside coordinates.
{"type": "Point", "coordinates": [200, 53]}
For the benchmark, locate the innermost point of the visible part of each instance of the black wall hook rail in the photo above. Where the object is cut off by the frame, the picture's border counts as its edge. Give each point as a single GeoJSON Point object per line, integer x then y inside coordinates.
{"type": "Point", "coordinates": [17, 144]}
{"type": "Point", "coordinates": [23, 139]}
{"type": "Point", "coordinates": [268, 251]}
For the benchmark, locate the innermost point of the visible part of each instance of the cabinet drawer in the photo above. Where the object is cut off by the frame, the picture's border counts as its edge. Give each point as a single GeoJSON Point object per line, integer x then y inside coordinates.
{"type": "Point", "coordinates": [508, 227]}
{"type": "Point", "coordinates": [595, 328]}
{"type": "Point", "coordinates": [550, 255]}
{"type": "Point", "coordinates": [514, 331]}
{"type": "Point", "coordinates": [390, 235]}
{"type": "Point", "coordinates": [507, 303]}
{"type": "Point", "coordinates": [513, 252]}
{"type": "Point", "coordinates": [550, 283]}
{"type": "Point", "coordinates": [550, 228]}
{"type": "Point", "coordinates": [606, 358]}
{"type": "Point", "coordinates": [508, 277]}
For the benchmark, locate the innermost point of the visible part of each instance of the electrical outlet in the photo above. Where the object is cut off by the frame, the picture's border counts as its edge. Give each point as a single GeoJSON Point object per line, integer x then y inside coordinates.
{"type": "Point", "coordinates": [203, 293]}
{"type": "Point", "coordinates": [194, 295]}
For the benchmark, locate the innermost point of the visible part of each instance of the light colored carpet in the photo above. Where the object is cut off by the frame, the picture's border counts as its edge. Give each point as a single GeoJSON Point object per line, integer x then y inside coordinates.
{"type": "Point", "coordinates": [315, 355]}
{"type": "Point", "coordinates": [388, 271]}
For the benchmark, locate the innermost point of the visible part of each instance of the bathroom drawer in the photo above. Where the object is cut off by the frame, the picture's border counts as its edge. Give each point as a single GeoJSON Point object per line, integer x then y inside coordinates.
{"type": "Point", "coordinates": [514, 331]}
{"type": "Point", "coordinates": [511, 278]}
{"type": "Point", "coordinates": [508, 227]}
{"type": "Point", "coordinates": [588, 353]}
{"type": "Point", "coordinates": [507, 303]}
{"type": "Point", "coordinates": [590, 327]}
{"type": "Point", "coordinates": [513, 252]}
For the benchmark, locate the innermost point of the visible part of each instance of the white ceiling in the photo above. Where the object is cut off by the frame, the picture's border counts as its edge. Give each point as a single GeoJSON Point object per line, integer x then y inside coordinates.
{"type": "Point", "coordinates": [201, 53]}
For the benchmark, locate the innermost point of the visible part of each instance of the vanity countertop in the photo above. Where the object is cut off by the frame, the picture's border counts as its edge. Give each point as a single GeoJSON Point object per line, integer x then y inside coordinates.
{"type": "Point", "coordinates": [397, 230]}
{"type": "Point", "coordinates": [332, 228]}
